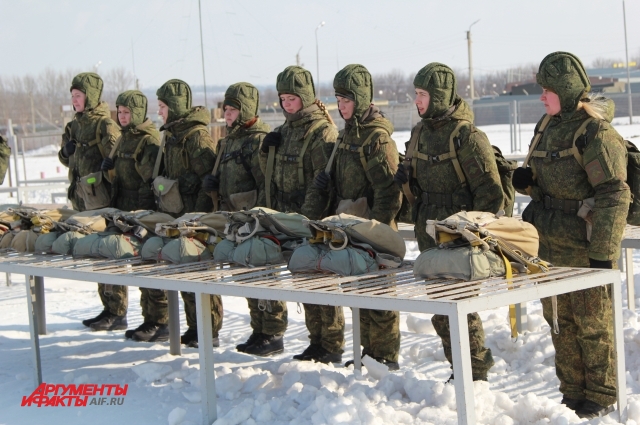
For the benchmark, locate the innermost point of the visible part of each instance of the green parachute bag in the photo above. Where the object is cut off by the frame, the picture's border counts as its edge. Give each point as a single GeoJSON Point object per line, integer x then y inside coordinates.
{"type": "Point", "coordinates": [468, 263]}
{"type": "Point", "coordinates": [117, 247]}
{"type": "Point", "coordinates": [185, 250]}
{"type": "Point", "coordinates": [140, 223]}
{"type": "Point", "coordinates": [152, 248]}
{"type": "Point", "coordinates": [192, 223]}
{"type": "Point", "coordinates": [25, 241]}
{"type": "Point", "coordinates": [65, 243]}
{"type": "Point", "coordinates": [87, 246]}
{"type": "Point", "coordinates": [88, 221]}
{"type": "Point", "coordinates": [44, 243]}
{"type": "Point", "coordinates": [44, 221]}
{"type": "Point", "coordinates": [258, 251]}
{"type": "Point", "coordinates": [223, 251]}
{"type": "Point", "coordinates": [348, 261]}
{"type": "Point", "coordinates": [5, 242]}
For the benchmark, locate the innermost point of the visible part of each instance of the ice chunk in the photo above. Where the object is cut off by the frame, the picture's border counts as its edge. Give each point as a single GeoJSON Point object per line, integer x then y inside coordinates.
{"type": "Point", "coordinates": [176, 416]}
{"type": "Point", "coordinates": [192, 396]}
{"type": "Point", "coordinates": [376, 370]}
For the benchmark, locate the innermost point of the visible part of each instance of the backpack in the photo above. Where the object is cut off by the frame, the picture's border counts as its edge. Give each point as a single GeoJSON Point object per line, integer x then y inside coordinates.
{"type": "Point", "coordinates": [633, 162]}
{"type": "Point", "coordinates": [141, 223]}
{"type": "Point", "coordinates": [505, 166]}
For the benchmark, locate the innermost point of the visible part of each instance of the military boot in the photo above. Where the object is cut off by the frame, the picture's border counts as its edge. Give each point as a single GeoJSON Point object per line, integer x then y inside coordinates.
{"type": "Point", "coordinates": [151, 332]}
{"type": "Point", "coordinates": [215, 342]}
{"type": "Point", "coordinates": [99, 317]}
{"type": "Point", "coordinates": [110, 322]}
{"type": "Point", "coordinates": [252, 339]}
{"type": "Point", "coordinates": [323, 355]}
{"type": "Point", "coordinates": [189, 336]}
{"type": "Point", "coordinates": [591, 409]}
{"type": "Point", "coordinates": [308, 354]}
{"type": "Point", "coordinates": [572, 403]}
{"type": "Point", "coordinates": [392, 366]}
{"type": "Point", "coordinates": [266, 345]}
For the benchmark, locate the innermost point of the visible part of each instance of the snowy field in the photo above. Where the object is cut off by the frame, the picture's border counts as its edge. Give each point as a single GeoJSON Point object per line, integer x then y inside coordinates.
{"type": "Point", "coordinates": [163, 389]}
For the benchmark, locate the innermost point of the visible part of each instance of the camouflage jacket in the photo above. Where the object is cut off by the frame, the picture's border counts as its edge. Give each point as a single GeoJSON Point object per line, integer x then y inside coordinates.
{"type": "Point", "coordinates": [188, 157]}
{"type": "Point", "coordinates": [295, 196]}
{"type": "Point", "coordinates": [134, 160]}
{"type": "Point", "coordinates": [563, 237]}
{"type": "Point", "coordinates": [352, 181]}
{"type": "Point", "coordinates": [239, 168]}
{"type": "Point", "coordinates": [482, 190]}
{"type": "Point", "coordinates": [5, 155]}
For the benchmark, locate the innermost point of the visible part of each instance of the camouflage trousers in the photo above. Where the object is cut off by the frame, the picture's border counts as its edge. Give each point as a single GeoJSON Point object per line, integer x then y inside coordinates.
{"type": "Point", "coordinates": [326, 326]}
{"type": "Point", "coordinates": [585, 359]}
{"type": "Point", "coordinates": [154, 304]}
{"type": "Point", "coordinates": [481, 357]}
{"type": "Point", "coordinates": [115, 298]}
{"type": "Point", "coordinates": [189, 299]}
{"type": "Point", "coordinates": [380, 333]}
{"type": "Point", "coordinates": [270, 320]}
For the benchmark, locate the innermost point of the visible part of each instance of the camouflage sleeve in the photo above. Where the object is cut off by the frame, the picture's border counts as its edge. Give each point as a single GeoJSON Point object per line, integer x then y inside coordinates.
{"type": "Point", "coordinates": [381, 167]}
{"type": "Point", "coordinates": [262, 157]}
{"type": "Point", "coordinates": [605, 162]}
{"type": "Point", "coordinates": [202, 159]}
{"type": "Point", "coordinates": [478, 164]}
{"type": "Point", "coordinates": [5, 155]}
{"type": "Point", "coordinates": [66, 136]}
{"type": "Point", "coordinates": [256, 168]}
{"type": "Point", "coordinates": [316, 201]}
{"type": "Point", "coordinates": [147, 159]}
{"type": "Point", "coordinates": [110, 133]}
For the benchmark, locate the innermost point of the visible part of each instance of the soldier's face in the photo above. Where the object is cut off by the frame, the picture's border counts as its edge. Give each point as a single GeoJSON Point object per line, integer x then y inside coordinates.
{"type": "Point", "coordinates": [346, 107]}
{"type": "Point", "coordinates": [230, 115]}
{"type": "Point", "coordinates": [422, 100]}
{"type": "Point", "coordinates": [124, 116]}
{"type": "Point", "coordinates": [291, 103]}
{"type": "Point", "coordinates": [78, 99]}
{"type": "Point", "coordinates": [163, 111]}
{"type": "Point", "coordinates": [551, 102]}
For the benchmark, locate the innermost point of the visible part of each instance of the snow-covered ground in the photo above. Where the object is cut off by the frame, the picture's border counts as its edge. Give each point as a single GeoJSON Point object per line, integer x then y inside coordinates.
{"type": "Point", "coordinates": [522, 387]}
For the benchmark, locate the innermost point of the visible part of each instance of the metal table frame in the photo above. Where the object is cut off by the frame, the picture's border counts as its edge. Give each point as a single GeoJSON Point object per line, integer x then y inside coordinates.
{"type": "Point", "coordinates": [394, 289]}
{"type": "Point", "coordinates": [630, 241]}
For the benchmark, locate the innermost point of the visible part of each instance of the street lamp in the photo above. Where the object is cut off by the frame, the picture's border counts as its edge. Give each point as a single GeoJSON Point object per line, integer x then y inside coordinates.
{"type": "Point", "coordinates": [318, 60]}
{"type": "Point", "coordinates": [471, 93]}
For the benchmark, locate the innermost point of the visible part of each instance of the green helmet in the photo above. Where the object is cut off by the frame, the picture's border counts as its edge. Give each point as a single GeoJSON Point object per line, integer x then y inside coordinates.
{"type": "Point", "coordinates": [439, 80]}
{"type": "Point", "coordinates": [564, 74]}
{"type": "Point", "coordinates": [354, 82]}
{"type": "Point", "coordinates": [298, 81]}
{"type": "Point", "coordinates": [91, 85]}
{"type": "Point", "coordinates": [176, 94]}
{"type": "Point", "coordinates": [137, 104]}
{"type": "Point", "coordinates": [245, 98]}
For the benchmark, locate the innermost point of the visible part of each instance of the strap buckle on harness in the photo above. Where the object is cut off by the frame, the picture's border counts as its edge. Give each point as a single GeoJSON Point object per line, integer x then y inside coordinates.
{"type": "Point", "coordinates": [555, 155]}
{"type": "Point", "coordinates": [435, 158]}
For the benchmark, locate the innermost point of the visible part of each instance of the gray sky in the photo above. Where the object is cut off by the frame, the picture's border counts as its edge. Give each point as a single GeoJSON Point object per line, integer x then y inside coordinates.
{"type": "Point", "coordinates": [253, 40]}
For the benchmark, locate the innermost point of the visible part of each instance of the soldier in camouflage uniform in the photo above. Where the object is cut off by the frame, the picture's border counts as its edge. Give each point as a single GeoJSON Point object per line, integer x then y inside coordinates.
{"type": "Point", "coordinates": [239, 183]}
{"type": "Point", "coordinates": [367, 128]}
{"type": "Point", "coordinates": [133, 164]}
{"type": "Point", "coordinates": [585, 361]}
{"type": "Point", "coordinates": [188, 157]}
{"type": "Point", "coordinates": [304, 143]}
{"type": "Point", "coordinates": [86, 141]}
{"type": "Point", "coordinates": [437, 188]}
{"type": "Point", "coordinates": [5, 154]}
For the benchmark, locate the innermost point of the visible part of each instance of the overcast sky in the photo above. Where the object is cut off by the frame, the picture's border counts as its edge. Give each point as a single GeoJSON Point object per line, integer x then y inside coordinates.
{"type": "Point", "coordinates": [253, 40]}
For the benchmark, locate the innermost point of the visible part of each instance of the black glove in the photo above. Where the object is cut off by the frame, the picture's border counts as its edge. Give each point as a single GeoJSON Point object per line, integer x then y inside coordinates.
{"type": "Point", "coordinates": [402, 175]}
{"type": "Point", "coordinates": [271, 139]}
{"type": "Point", "coordinates": [69, 148]}
{"type": "Point", "coordinates": [599, 264]}
{"type": "Point", "coordinates": [210, 183]}
{"type": "Point", "coordinates": [522, 178]}
{"type": "Point", "coordinates": [322, 180]}
{"type": "Point", "coordinates": [107, 164]}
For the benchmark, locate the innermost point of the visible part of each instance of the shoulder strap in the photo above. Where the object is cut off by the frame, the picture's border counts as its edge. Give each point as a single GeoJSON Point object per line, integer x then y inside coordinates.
{"type": "Point", "coordinates": [223, 145]}
{"type": "Point", "coordinates": [307, 139]}
{"type": "Point", "coordinates": [581, 130]}
{"type": "Point", "coordinates": [156, 166]}
{"type": "Point", "coordinates": [452, 150]}
{"type": "Point", "coordinates": [336, 145]}
{"type": "Point", "coordinates": [536, 139]}
{"type": "Point", "coordinates": [97, 140]}
{"type": "Point", "coordinates": [409, 160]}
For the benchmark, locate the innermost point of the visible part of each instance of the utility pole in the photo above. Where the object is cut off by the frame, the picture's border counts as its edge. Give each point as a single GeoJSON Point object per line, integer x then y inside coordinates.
{"type": "Point", "coordinates": [318, 61]}
{"type": "Point", "coordinates": [204, 78]}
{"type": "Point", "coordinates": [471, 92]}
{"type": "Point", "coordinates": [133, 63]}
{"type": "Point", "coordinates": [298, 57]}
{"type": "Point", "coordinates": [626, 49]}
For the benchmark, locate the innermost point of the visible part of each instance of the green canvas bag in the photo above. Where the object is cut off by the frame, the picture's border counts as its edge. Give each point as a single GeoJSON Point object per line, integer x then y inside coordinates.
{"type": "Point", "coordinates": [185, 250]}
{"type": "Point", "coordinates": [65, 242]}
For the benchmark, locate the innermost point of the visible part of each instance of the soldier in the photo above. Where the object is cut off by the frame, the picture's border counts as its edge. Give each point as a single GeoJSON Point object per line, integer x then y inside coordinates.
{"type": "Point", "coordinates": [303, 144]}
{"type": "Point", "coordinates": [558, 184]}
{"type": "Point", "coordinates": [5, 154]}
{"type": "Point", "coordinates": [436, 186]}
{"type": "Point", "coordinates": [133, 164]}
{"type": "Point", "coordinates": [188, 157]}
{"type": "Point", "coordinates": [238, 183]}
{"type": "Point", "coordinates": [365, 162]}
{"type": "Point", "coordinates": [86, 141]}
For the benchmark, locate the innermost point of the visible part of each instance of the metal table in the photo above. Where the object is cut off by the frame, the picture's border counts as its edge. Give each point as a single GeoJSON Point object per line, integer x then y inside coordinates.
{"type": "Point", "coordinates": [630, 241]}
{"type": "Point", "coordinates": [394, 289]}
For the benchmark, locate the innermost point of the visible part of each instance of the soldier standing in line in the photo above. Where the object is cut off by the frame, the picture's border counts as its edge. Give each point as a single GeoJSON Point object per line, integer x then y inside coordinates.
{"type": "Point", "coordinates": [188, 157]}
{"type": "Point", "coordinates": [362, 176]}
{"type": "Point", "coordinates": [558, 184]}
{"type": "Point", "coordinates": [436, 186]}
{"type": "Point", "coordinates": [133, 163]}
{"type": "Point", "coordinates": [303, 145]}
{"type": "Point", "coordinates": [237, 184]}
{"type": "Point", "coordinates": [86, 141]}
{"type": "Point", "coordinates": [5, 154]}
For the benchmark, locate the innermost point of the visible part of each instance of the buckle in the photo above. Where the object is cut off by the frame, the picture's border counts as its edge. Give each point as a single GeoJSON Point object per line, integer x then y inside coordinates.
{"type": "Point", "coordinates": [555, 155]}
{"type": "Point", "coordinates": [435, 158]}
{"type": "Point", "coordinates": [547, 202]}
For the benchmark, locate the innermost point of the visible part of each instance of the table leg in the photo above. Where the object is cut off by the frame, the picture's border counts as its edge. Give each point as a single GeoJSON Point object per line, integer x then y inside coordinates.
{"type": "Point", "coordinates": [355, 319]}
{"type": "Point", "coordinates": [631, 290]}
{"type": "Point", "coordinates": [618, 337]}
{"type": "Point", "coordinates": [461, 353]}
{"type": "Point", "coordinates": [8, 279]}
{"type": "Point", "coordinates": [521, 317]}
{"type": "Point", "coordinates": [33, 329]}
{"type": "Point", "coordinates": [205, 348]}
{"type": "Point", "coordinates": [174, 323]}
{"type": "Point", "coordinates": [38, 282]}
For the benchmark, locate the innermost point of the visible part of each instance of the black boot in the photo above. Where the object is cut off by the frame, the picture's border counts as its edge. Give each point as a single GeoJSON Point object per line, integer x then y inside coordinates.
{"type": "Point", "coordinates": [572, 403]}
{"type": "Point", "coordinates": [151, 332]}
{"type": "Point", "coordinates": [266, 345]}
{"type": "Point", "coordinates": [110, 322]}
{"type": "Point", "coordinates": [308, 353]}
{"type": "Point", "coordinates": [189, 336]}
{"type": "Point", "coordinates": [591, 409]}
{"type": "Point", "coordinates": [252, 339]}
{"type": "Point", "coordinates": [215, 342]}
{"type": "Point", "coordinates": [99, 317]}
{"type": "Point", "coordinates": [324, 356]}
